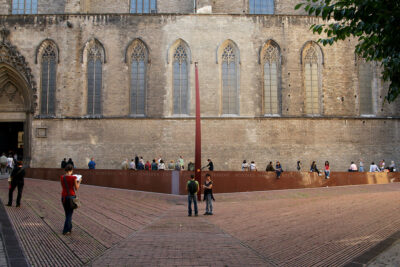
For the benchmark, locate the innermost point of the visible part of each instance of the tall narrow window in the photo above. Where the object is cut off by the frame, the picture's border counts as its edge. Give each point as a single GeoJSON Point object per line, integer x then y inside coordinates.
{"type": "Point", "coordinates": [311, 76]}
{"type": "Point", "coordinates": [261, 6]}
{"type": "Point", "coordinates": [24, 6]}
{"type": "Point", "coordinates": [230, 101]}
{"type": "Point", "coordinates": [138, 79]}
{"type": "Point", "coordinates": [94, 79]}
{"type": "Point", "coordinates": [181, 83]}
{"type": "Point", "coordinates": [143, 6]}
{"type": "Point", "coordinates": [365, 81]}
{"type": "Point", "coordinates": [271, 82]}
{"type": "Point", "coordinates": [48, 81]}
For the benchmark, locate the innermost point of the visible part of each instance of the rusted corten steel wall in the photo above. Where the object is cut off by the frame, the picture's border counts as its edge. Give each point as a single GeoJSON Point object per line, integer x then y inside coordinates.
{"type": "Point", "coordinates": [224, 182]}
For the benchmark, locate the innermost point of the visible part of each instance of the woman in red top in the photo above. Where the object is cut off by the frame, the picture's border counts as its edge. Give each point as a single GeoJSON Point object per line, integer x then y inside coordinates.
{"type": "Point", "coordinates": [68, 181]}
{"type": "Point", "coordinates": [327, 170]}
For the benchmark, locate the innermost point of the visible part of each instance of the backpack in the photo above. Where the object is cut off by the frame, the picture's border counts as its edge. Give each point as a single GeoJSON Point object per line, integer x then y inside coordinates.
{"type": "Point", "coordinates": [192, 187]}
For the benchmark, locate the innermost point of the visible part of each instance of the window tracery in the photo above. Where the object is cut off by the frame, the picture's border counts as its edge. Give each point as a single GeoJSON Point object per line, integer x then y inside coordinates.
{"type": "Point", "coordinates": [230, 102]}
{"type": "Point", "coordinates": [48, 80]}
{"type": "Point", "coordinates": [138, 78]}
{"type": "Point", "coordinates": [181, 81]}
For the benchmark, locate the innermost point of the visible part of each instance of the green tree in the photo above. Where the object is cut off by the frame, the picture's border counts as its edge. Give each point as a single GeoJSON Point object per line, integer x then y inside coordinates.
{"type": "Point", "coordinates": [376, 25]}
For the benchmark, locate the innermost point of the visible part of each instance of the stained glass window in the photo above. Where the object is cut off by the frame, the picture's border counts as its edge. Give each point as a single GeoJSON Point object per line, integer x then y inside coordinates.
{"type": "Point", "coordinates": [138, 79]}
{"type": "Point", "coordinates": [24, 7]}
{"type": "Point", "coordinates": [230, 103]}
{"type": "Point", "coordinates": [311, 76]}
{"type": "Point", "coordinates": [181, 83]}
{"type": "Point", "coordinates": [48, 81]}
{"type": "Point", "coordinates": [261, 6]}
{"type": "Point", "coordinates": [271, 89]}
{"type": "Point", "coordinates": [143, 6]}
{"type": "Point", "coordinates": [94, 79]}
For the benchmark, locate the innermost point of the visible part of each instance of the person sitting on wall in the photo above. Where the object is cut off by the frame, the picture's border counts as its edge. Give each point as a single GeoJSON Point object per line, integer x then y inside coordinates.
{"type": "Point", "coordinates": [154, 165]}
{"type": "Point", "coordinates": [253, 167]}
{"type": "Point", "coordinates": [210, 165]}
{"type": "Point", "coordinates": [132, 165]}
{"type": "Point", "coordinates": [314, 168]}
{"type": "Point", "coordinates": [353, 167]}
{"type": "Point", "coordinates": [92, 164]}
{"type": "Point", "coordinates": [373, 167]}
{"type": "Point", "coordinates": [278, 169]}
{"type": "Point", "coordinates": [270, 168]}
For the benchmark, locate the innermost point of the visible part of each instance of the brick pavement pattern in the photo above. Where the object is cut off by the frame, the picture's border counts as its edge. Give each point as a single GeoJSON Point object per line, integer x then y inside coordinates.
{"type": "Point", "coordinates": [319, 227]}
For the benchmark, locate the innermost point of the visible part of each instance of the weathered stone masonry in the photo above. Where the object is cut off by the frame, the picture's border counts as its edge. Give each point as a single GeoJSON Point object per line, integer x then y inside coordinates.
{"type": "Point", "coordinates": [339, 134]}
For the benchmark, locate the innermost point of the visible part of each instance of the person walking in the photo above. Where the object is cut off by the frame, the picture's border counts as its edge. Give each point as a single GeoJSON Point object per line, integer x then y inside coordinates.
{"type": "Point", "coordinates": [278, 169]}
{"type": "Point", "coordinates": [192, 187]}
{"type": "Point", "coordinates": [70, 185]}
{"type": "Point", "coordinates": [327, 170]}
{"type": "Point", "coordinates": [92, 164]}
{"type": "Point", "coordinates": [17, 180]}
{"type": "Point", "coordinates": [10, 163]}
{"type": "Point", "coordinates": [208, 195]}
{"type": "Point", "coordinates": [3, 163]}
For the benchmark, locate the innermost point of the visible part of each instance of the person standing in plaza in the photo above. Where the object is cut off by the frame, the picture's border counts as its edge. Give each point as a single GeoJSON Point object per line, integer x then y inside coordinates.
{"type": "Point", "coordinates": [210, 165]}
{"type": "Point", "coordinates": [92, 164]}
{"type": "Point", "coordinates": [298, 165]}
{"type": "Point", "coordinates": [253, 167]}
{"type": "Point", "coordinates": [70, 185]}
{"type": "Point", "coordinates": [17, 180]}
{"type": "Point", "coordinates": [278, 169]}
{"type": "Point", "coordinates": [63, 163]}
{"type": "Point", "coordinates": [10, 163]}
{"type": "Point", "coordinates": [208, 195]}
{"type": "Point", "coordinates": [361, 166]}
{"type": "Point", "coordinates": [192, 187]}
{"type": "Point", "coordinates": [245, 166]}
{"type": "Point", "coordinates": [327, 170]}
{"type": "Point", "coordinates": [3, 163]}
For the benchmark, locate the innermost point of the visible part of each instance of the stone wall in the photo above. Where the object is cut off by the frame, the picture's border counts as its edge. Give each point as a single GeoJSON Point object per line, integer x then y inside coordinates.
{"type": "Point", "coordinates": [226, 141]}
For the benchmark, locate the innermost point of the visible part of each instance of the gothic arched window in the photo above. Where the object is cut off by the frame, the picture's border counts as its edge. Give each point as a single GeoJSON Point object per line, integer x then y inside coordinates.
{"type": "Point", "coordinates": [271, 70]}
{"type": "Point", "coordinates": [94, 80]}
{"type": "Point", "coordinates": [138, 78]}
{"type": "Point", "coordinates": [261, 6]}
{"type": "Point", "coordinates": [230, 102]}
{"type": "Point", "coordinates": [312, 80]}
{"type": "Point", "coordinates": [24, 7]}
{"type": "Point", "coordinates": [143, 6]}
{"type": "Point", "coordinates": [181, 82]}
{"type": "Point", "coordinates": [48, 80]}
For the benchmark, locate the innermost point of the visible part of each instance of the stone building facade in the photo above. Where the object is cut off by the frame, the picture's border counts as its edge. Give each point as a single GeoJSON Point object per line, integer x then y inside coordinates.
{"type": "Point", "coordinates": [111, 79]}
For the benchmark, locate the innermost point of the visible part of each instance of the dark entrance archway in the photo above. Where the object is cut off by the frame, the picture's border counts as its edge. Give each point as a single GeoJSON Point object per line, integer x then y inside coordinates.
{"type": "Point", "coordinates": [12, 138]}
{"type": "Point", "coordinates": [17, 96]}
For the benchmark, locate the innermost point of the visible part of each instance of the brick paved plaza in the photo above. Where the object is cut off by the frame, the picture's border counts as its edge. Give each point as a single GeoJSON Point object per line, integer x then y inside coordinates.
{"type": "Point", "coordinates": [321, 227]}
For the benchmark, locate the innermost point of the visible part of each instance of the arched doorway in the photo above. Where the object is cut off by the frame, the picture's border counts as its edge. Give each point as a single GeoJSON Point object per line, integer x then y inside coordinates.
{"type": "Point", "coordinates": [17, 96]}
{"type": "Point", "coordinates": [15, 115]}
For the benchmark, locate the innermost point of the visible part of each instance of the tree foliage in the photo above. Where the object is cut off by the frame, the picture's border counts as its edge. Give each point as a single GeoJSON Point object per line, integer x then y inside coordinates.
{"type": "Point", "coordinates": [376, 25]}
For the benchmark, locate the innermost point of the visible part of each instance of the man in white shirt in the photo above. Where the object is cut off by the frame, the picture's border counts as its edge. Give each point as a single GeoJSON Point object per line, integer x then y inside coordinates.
{"type": "Point", "coordinates": [132, 165]}
{"type": "Point", "coordinates": [10, 164]}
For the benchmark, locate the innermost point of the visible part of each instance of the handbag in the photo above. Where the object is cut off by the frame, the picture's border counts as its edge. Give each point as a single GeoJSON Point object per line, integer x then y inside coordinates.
{"type": "Point", "coordinates": [74, 202]}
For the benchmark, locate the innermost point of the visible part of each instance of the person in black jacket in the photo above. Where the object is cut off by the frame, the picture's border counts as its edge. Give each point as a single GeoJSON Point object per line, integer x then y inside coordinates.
{"type": "Point", "coordinates": [17, 180]}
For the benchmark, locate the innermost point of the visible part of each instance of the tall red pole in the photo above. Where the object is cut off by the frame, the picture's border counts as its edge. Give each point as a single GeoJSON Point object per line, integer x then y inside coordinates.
{"type": "Point", "coordinates": [197, 161]}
